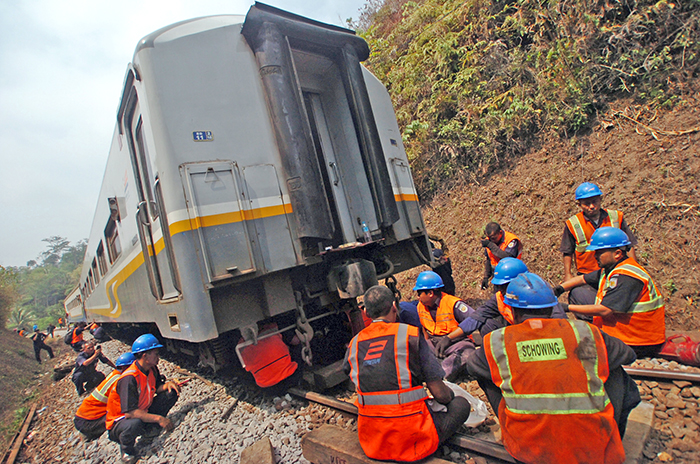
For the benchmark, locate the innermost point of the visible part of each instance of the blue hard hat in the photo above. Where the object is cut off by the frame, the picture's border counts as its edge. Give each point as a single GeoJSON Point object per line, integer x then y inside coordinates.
{"type": "Point", "coordinates": [428, 280]}
{"type": "Point", "coordinates": [587, 190]}
{"type": "Point", "coordinates": [529, 291]}
{"type": "Point", "coordinates": [608, 237]}
{"type": "Point", "coordinates": [35, 327]}
{"type": "Point", "coordinates": [507, 269]}
{"type": "Point", "coordinates": [125, 360]}
{"type": "Point", "coordinates": [145, 342]}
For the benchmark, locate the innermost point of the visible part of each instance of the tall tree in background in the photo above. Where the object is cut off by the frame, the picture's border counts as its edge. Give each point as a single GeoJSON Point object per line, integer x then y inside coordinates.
{"type": "Point", "coordinates": [8, 293]}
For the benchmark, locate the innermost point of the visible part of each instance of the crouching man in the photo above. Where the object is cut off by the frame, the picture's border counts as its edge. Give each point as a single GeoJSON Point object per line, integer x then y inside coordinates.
{"type": "Point", "coordinates": [388, 363]}
{"type": "Point", "coordinates": [141, 400]}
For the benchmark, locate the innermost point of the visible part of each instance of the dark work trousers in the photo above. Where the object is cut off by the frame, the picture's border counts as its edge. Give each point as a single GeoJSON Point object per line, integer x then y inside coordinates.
{"type": "Point", "coordinates": [86, 381]}
{"type": "Point", "coordinates": [78, 347]}
{"type": "Point", "coordinates": [125, 431]}
{"type": "Point", "coordinates": [42, 346]}
{"type": "Point", "coordinates": [448, 422]}
{"type": "Point", "coordinates": [92, 429]}
{"type": "Point", "coordinates": [583, 295]}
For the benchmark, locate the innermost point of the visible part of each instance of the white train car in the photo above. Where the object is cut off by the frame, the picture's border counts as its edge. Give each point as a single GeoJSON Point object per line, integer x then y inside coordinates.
{"type": "Point", "coordinates": [248, 156]}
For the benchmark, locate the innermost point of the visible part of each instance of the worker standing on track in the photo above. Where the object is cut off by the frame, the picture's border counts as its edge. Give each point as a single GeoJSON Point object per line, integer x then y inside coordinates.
{"type": "Point", "coordinates": [498, 244]}
{"type": "Point", "coordinates": [388, 363]}
{"type": "Point", "coordinates": [627, 305]}
{"type": "Point", "coordinates": [577, 235]}
{"type": "Point", "coordinates": [85, 375]}
{"type": "Point", "coordinates": [440, 314]}
{"type": "Point", "coordinates": [90, 417]}
{"type": "Point", "coordinates": [38, 341]}
{"type": "Point", "coordinates": [139, 403]}
{"type": "Point", "coordinates": [557, 386]}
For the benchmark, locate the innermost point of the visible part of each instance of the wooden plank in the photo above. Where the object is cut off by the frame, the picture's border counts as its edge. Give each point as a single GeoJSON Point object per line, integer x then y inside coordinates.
{"type": "Point", "coordinates": [495, 450]}
{"type": "Point", "coordinates": [332, 445]}
{"type": "Point", "coordinates": [325, 400]}
{"type": "Point", "coordinates": [20, 438]}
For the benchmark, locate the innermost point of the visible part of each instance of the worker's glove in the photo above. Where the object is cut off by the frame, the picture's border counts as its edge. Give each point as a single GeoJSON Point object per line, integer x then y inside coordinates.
{"type": "Point", "coordinates": [442, 345]}
{"type": "Point", "coordinates": [485, 242]}
{"type": "Point", "coordinates": [484, 283]}
{"type": "Point", "coordinates": [565, 307]}
{"type": "Point", "coordinates": [558, 291]}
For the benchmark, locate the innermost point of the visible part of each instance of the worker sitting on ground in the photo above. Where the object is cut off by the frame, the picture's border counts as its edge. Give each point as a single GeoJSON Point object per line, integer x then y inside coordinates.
{"type": "Point", "coordinates": [577, 235]}
{"type": "Point", "coordinates": [85, 375]}
{"type": "Point", "coordinates": [557, 386]}
{"type": "Point", "coordinates": [139, 403]}
{"type": "Point", "coordinates": [388, 363]}
{"type": "Point", "coordinates": [90, 417]}
{"type": "Point", "coordinates": [627, 305]}
{"type": "Point", "coordinates": [440, 314]}
{"type": "Point", "coordinates": [77, 336]}
{"type": "Point", "coordinates": [494, 313]}
{"type": "Point", "coordinates": [99, 332]}
{"type": "Point", "coordinates": [498, 244]}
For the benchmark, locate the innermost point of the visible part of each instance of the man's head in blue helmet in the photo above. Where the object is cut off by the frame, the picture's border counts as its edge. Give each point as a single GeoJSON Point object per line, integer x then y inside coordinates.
{"type": "Point", "coordinates": [589, 197]}
{"type": "Point", "coordinates": [610, 245]}
{"type": "Point", "coordinates": [429, 287]}
{"type": "Point", "coordinates": [530, 296]}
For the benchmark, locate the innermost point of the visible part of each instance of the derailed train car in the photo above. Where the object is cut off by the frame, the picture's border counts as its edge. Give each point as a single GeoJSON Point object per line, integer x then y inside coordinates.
{"type": "Point", "coordinates": [256, 173]}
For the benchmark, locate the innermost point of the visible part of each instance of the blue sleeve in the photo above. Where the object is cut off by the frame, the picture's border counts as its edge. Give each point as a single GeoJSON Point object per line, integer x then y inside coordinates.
{"type": "Point", "coordinates": [469, 325]}
{"type": "Point", "coordinates": [462, 311]}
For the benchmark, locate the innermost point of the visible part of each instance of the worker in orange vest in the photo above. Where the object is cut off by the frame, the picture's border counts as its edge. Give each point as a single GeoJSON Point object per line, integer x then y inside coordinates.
{"type": "Point", "coordinates": [269, 359]}
{"type": "Point", "coordinates": [90, 417]}
{"type": "Point", "coordinates": [498, 244]}
{"type": "Point", "coordinates": [577, 235]}
{"type": "Point", "coordinates": [557, 386]}
{"type": "Point", "coordinates": [77, 337]}
{"type": "Point", "coordinates": [628, 304]}
{"type": "Point", "coordinates": [388, 363]}
{"type": "Point", "coordinates": [440, 314]}
{"type": "Point", "coordinates": [139, 403]}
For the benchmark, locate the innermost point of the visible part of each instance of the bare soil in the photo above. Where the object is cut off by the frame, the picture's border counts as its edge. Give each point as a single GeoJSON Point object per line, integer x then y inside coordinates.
{"type": "Point", "coordinates": [649, 169]}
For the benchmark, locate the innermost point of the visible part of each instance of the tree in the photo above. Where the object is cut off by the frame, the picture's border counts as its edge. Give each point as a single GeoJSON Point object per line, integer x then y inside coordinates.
{"type": "Point", "coordinates": [55, 248]}
{"type": "Point", "coordinates": [8, 293]}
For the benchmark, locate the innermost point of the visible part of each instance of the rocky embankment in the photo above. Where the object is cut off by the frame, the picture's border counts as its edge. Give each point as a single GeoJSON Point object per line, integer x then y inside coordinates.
{"type": "Point", "coordinates": [217, 419]}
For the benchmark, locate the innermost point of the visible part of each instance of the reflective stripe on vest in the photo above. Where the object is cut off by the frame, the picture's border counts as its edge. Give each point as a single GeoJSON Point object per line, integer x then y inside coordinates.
{"type": "Point", "coordinates": [591, 402]}
{"type": "Point", "coordinates": [95, 406]}
{"type": "Point", "coordinates": [76, 337]}
{"type": "Point", "coordinates": [576, 228]}
{"type": "Point", "coordinates": [444, 321]}
{"type": "Point", "coordinates": [655, 300]}
{"type": "Point", "coordinates": [101, 393]}
{"type": "Point", "coordinates": [507, 238]}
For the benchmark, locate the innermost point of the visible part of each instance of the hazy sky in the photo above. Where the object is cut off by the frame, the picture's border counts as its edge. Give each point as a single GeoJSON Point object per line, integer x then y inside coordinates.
{"type": "Point", "coordinates": [62, 64]}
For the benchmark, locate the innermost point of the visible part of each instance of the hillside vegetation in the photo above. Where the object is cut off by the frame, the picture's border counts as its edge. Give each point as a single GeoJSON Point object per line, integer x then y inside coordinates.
{"type": "Point", "coordinates": [506, 106]}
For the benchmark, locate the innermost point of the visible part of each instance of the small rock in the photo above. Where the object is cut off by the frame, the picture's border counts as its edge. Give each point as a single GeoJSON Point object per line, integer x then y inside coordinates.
{"type": "Point", "coordinates": [664, 457]}
{"type": "Point", "coordinates": [661, 414]}
{"type": "Point", "coordinates": [682, 383]}
{"type": "Point", "coordinates": [455, 456]}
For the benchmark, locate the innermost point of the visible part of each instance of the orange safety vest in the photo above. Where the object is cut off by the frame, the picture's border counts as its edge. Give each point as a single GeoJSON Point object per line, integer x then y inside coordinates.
{"type": "Point", "coordinates": [95, 406]}
{"type": "Point", "coordinates": [76, 337]}
{"type": "Point", "coordinates": [393, 421]}
{"type": "Point", "coordinates": [551, 397]}
{"type": "Point", "coordinates": [582, 230]}
{"type": "Point", "coordinates": [645, 322]}
{"type": "Point", "coordinates": [146, 387]}
{"type": "Point", "coordinates": [269, 361]}
{"type": "Point", "coordinates": [444, 321]}
{"type": "Point", "coordinates": [93, 326]}
{"type": "Point", "coordinates": [507, 238]}
{"type": "Point", "coordinates": [505, 310]}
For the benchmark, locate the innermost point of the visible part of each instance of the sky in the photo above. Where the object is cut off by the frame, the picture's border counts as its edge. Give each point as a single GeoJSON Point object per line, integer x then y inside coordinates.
{"type": "Point", "coordinates": [62, 65]}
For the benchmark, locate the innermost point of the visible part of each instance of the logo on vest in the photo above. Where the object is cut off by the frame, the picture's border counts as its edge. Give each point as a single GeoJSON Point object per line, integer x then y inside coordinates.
{"type": "Point", "coordinates": [374, 352]}
{"type": "Point", "coordinates": [546, 349]}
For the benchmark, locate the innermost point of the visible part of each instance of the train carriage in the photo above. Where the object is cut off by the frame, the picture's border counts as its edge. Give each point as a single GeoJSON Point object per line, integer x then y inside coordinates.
{"type": "Point", "coordinates": [256, 172]}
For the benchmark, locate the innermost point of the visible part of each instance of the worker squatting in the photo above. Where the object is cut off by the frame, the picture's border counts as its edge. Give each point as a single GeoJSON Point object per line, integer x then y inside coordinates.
{"type": "Point", "coordinates": [546, 366]}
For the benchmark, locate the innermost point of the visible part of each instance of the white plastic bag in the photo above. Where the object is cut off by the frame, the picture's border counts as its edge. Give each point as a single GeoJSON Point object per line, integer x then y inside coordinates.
{"type": "Point", "coordinates": [479, 411]}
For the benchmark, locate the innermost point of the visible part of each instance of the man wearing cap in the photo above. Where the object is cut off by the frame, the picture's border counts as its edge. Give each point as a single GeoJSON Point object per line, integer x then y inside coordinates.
{"type": "Point", "coordinates": [557, 386]}
{"type": "Point", "coordinates": [90, 417]}
{"type": "Point", "coordinates": [85, 375]}
{"type": "Point", "coordinates": [627, 304]}
{"type": "Point", "coordinates": [388, 363]}
{"type": "Point", "coordinates": [141, 400]}
{"type": "Point", "coordinates": [498, 244]}
{"type": "Point", "coordinates": [440, 314]}
{"type": "Point", "coordinates": [577, 235]}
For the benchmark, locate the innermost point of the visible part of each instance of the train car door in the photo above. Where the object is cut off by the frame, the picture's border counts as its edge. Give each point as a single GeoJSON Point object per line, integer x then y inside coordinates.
{"type": "Point", "coordinates": [151, 219]}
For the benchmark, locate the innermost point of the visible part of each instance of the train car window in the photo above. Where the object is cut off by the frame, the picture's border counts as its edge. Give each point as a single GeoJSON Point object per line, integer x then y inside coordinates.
{"type": "Point", "coordinates": [94, 271]}
{"type": "Point", "coordinates": [92, 283]}
{"type": "Point", "coordinates": [142, 155]}
{"type": "Point", "coordinates": [101, 261]}
{"type": "Point", "coordinates": [114, 247]}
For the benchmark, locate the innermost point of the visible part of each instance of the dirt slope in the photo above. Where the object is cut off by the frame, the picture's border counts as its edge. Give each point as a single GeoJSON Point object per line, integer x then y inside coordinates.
{"type": "Point", "coordinates": [652, 177]}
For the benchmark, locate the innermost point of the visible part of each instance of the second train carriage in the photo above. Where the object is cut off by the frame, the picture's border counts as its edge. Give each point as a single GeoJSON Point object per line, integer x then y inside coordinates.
{"type": "Point", "coordinates": [256, 171]}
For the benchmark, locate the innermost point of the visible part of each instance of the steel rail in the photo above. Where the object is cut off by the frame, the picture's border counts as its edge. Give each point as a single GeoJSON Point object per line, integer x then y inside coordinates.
{"type": "Point", "coordinates": [662, 374]}
{"type": "Point", "coordinates": [487, 448]}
